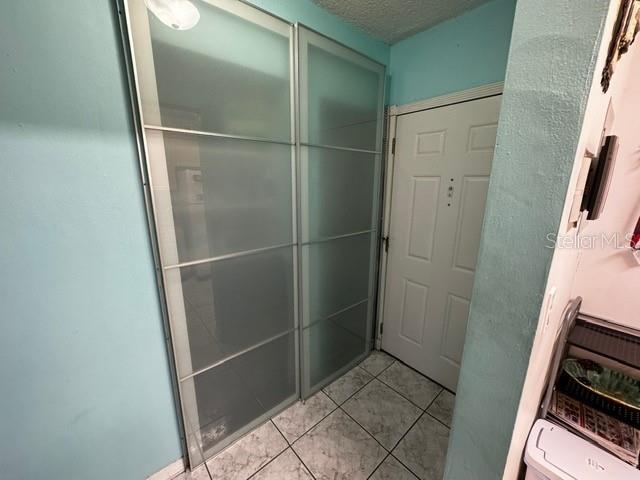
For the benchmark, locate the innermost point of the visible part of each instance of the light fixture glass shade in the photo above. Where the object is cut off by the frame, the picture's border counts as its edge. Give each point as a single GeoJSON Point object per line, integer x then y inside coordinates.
{"type": "Point", "coordinates": [177, 14]}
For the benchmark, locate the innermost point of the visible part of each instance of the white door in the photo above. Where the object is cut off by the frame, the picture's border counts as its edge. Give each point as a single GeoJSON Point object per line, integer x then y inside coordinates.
{"type": "Point", "coordinates": [440, 179]}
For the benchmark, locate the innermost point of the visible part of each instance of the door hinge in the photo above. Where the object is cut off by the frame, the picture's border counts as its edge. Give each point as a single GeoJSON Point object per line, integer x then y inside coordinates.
{"type": "Point", "coordinates": [393, 146]}
{"type": "Point", "coordinates": [385, 241]}
{"type": "Point", "coordinates": [381, 328]}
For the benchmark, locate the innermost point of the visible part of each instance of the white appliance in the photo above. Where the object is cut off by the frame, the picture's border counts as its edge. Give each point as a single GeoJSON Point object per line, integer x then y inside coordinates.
{"type": "Point", "coordinates": [554, 453]}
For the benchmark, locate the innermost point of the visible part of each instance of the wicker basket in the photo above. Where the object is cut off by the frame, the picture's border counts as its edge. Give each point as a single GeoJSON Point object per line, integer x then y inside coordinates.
{"type": "Point", "coordinates": [625, 413]}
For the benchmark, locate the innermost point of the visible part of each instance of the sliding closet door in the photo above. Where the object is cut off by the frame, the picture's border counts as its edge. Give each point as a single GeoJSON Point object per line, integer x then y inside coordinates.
{"type": "Point", "coordinates": [214, 81]}
{"type": "Point", "coordinates": [341, 110]}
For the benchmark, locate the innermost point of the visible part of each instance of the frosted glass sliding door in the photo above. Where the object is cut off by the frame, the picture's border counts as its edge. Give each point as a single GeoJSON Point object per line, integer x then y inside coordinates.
{"type": "Point", "coordinates": [258, 223]}
{"type": "Point", "coordinates": [215, 90]}
{"type": "Point", "coordinates": [340, 141]}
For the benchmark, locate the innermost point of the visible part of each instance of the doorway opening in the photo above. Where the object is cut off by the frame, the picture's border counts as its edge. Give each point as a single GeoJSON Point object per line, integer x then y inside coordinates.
{"type": "Point", "coordinates": [438, 176]}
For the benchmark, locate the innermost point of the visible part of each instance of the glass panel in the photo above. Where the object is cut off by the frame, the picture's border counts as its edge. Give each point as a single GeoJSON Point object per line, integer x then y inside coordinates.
{"type": "Point", "coordinates": [341, 95]}
{"type": "Point", "coordinates": [225, 74]}
{"type": "Point", "coordinates": [341, 99]}
{"type": "Point", "coordinates": [227, 195]}
{"type": "Point", "coordinates": [207, 68]}
{"type": "Point", "coordinates": [337, 273]}
{"type": "Point", "coordinates": [335, 342]}
{"type": "Point", "coordinates": [234, 304]}
{"type": "Point", "coordinates": [221, 402]}
{"type": "Point", "coordinates": [340, 189]}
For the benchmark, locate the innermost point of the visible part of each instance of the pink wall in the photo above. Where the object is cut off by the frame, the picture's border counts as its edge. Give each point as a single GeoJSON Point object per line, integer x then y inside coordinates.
{"type": "Point", "coordinates": [608, 277]}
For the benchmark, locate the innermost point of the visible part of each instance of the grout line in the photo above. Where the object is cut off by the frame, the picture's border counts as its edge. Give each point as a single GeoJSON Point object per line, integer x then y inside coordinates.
{"type": "Point", "coordinates": [339, 407]}
{"type": "Point", "coordinates": [437, 396]}
{"type": "Point", "coordinates": [280, 432]}
{"type": "Point", "coordinates": [410, 367]}
{"type": "Point", "coordinates": [405, 433]}
{"type": "Point", "coordinates": [385, 368]}
{"type": "Point", "coordinates": [206, 467]}
{"type": "Point", "coordinates": [381, 371]}
{"type": "Point", "coordinates": [366, 431]}
{"type": "Point", "coordinates": [433, 401]}
{"type": "Point", "coordinates": [423, 376]}
{"type": "Point", "coordinates": [269, 462]}
{"type": "Point", "coordinates": [389, 452]}
{"type": "Point", "coordinates": [351, 396]}
{"type": "Point", "coordinates": [373, 377]}
{"type": "Point", "coordinates": [439, 421]}
{"type": "Point", "coordinates": [263, 466]}
{"type": "Point", "coordinates": [432, 416]}
{"type": "Point", "coordinates": [408, 399]}
{"type": "Point", "coordinates": [416, 477]}
{"type": "Point", "coordinates": [291, 445]}
{"type": "Point", "coordinates": [303, 464]}
{"type": "Point", "coordinates": [378, 466]}
{"type": "Point", "coordinates": [398, 443]}
{"type": "Point", "coordinates": [447, 390]}
{"type": "Point", "coordinates": [405, 466]}
{"type": "Point", "coordinates": [315, 424]}
{"type": "Point", "coordinates": [422, 412]}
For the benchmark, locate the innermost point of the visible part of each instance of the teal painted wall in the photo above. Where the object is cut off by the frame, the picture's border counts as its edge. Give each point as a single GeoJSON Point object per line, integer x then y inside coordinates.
{"type": "Point", "coordinates": [551, 66]}
{"type": "Point", "coordinates": [86, 387]}
{"type": "Point", "coordinates": [464, 52]}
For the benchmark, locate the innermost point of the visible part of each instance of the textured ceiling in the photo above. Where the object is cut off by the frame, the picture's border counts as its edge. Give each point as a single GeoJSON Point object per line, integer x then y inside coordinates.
{"type": "Point", "coordinates": [393, 20]}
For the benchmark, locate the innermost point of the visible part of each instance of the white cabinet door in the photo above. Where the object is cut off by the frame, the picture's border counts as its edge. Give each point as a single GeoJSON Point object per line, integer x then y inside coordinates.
{"type": "Point", "coordinates": [441, 175]}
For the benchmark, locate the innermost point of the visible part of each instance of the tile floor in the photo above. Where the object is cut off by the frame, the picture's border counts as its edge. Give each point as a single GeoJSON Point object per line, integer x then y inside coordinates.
{"type": "Point", "coordinates": [380, 421]}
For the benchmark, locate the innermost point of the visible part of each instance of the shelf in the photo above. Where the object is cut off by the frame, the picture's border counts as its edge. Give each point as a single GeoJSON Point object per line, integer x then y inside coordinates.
{"type": "Point", "coordinates": [597, 336]}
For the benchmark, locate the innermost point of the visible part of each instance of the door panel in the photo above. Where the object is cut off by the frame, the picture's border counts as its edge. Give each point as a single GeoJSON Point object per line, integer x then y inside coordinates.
{"type": "Point", "coordinates": [219, 146]}
{"type": "Point", "coordinates": [335, 178]}
{"type": "Point", "coordinates": [430, 142]}
{"type": "Point", "coordinates": [340, 119]}
{"type": "Point", "coordinates": [230, 74]}
{"type": "Point", "coordinates": [423, 220]}
{"type": "Point", "coordinates": [441, 177]}
{"type": "Point", "coordinates": [413, 311]}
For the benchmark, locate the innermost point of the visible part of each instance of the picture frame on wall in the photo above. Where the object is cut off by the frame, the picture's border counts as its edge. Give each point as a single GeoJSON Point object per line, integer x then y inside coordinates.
{"type": "Point", "coordinates": [599, 179]}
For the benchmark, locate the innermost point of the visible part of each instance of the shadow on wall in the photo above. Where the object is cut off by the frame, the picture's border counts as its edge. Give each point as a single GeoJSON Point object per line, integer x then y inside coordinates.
{"type": "Point", "coordinates": [83, 345]}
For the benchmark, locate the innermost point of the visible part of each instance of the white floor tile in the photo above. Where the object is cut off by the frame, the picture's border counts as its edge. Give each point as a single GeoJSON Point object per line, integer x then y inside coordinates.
{"type": "Point", "coordinates": [247, 455]}
{"type": "Point", "coordinates": [339, 449]}
{"type": "Point", "coordinates": [384, 413]}
{"type": "Point", "coordinates": [300, 417]}
{"type": "Point", "coordinates": [420, 390]}
{"type": "Point", "coordinates": [348, 384]}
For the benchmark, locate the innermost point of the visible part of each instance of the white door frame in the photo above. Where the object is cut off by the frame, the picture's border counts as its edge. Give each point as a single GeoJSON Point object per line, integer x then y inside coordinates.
{"type": "Point", "coordinates": [475, 93]}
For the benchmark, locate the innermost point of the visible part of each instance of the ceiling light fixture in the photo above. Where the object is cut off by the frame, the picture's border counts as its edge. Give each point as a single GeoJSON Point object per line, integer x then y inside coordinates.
{"type": "Point", "coordinates": [177, 14]}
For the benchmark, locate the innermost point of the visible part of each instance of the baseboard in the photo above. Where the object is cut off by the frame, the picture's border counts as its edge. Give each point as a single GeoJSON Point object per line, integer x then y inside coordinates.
{"type": "Point", "coordinates": [170, 471]}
